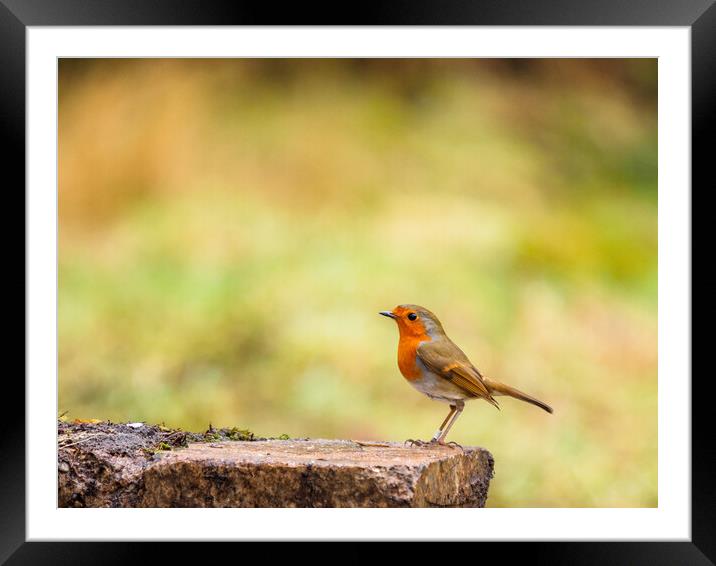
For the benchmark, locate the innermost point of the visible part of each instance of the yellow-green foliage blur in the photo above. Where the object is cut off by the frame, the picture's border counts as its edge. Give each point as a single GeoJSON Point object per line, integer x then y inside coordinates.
{"type": "Point", "coordinates": [230, 229]}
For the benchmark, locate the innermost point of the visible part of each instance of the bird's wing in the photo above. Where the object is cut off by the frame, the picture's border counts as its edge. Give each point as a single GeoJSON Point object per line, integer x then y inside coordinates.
{"type": "Point", "coordinates": [448, 361]}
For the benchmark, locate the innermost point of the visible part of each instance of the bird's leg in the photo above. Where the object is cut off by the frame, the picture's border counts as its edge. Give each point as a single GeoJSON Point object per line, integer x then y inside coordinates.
{"type": "Point", "coordinates": [436, 437]}
{"type": "Point", "coordinates": [439, 431]}
{"type": "Point", "coordinates": [444, 432]}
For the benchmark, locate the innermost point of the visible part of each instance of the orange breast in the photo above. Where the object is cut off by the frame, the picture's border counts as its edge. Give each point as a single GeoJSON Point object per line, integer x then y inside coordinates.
{"type": "Point", "coordinates": [407, 353]}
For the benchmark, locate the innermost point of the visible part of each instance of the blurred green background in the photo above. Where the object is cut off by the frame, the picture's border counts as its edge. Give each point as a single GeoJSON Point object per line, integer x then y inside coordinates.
{"type": "Point", "coordinates": [229, 230]}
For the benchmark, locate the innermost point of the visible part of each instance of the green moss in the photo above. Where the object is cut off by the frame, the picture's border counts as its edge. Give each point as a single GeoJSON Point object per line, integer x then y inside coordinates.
{"type": "Point", "coordinates": [240, 434]}
{"type": "Point", "coordinates": [233, 433]}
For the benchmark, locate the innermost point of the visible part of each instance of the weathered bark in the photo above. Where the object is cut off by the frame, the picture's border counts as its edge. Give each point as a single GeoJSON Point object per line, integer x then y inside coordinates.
{"type": "Point", "coordinates": [115, 465]}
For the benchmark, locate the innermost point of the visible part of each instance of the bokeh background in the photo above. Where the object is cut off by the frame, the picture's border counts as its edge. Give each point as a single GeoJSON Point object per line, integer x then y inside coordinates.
{"type": "Point", "coordinates": [229, 230]}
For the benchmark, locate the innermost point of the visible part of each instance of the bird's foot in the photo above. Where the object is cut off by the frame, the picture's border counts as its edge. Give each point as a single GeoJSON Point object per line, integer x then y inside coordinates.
{"type": "Point", "coordinates": [432, 442]}
{"type": "Point", "coordinates": [419, 443]}
{"type": "Point", "coordinates": [452, 445]}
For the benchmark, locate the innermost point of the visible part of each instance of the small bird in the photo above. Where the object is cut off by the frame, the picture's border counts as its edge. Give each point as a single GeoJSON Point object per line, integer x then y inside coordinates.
{"type": "Point", "coordinates": [435, 366]}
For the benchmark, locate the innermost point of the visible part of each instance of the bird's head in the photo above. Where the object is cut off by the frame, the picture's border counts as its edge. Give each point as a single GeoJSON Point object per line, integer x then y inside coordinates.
{"type": "Point", "coordinates": [414, 320]}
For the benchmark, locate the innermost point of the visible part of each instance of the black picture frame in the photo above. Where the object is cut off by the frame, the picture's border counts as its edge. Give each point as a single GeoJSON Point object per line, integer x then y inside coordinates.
{"type": "Point", "coordinates": [699, 15]}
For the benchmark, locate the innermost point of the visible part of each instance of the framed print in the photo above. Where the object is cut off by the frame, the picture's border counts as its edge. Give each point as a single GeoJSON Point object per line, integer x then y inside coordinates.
{"type": "Point", "coordinates": [220, 203]}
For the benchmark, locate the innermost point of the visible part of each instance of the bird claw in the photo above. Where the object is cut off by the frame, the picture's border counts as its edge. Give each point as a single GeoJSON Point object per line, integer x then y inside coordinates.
{"type": "Point", "coordinates": [419, 443]}
{"type": "Point", "coordinates": [433, 442]}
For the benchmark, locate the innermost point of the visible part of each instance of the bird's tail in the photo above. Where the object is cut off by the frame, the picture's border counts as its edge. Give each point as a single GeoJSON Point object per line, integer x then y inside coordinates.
{"type": "Point", "coordinates": [498, 388]}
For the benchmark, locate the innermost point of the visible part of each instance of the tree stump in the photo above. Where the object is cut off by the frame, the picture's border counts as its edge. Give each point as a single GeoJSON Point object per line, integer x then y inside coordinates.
{"type": "Point", "coordinates": [138, 465]}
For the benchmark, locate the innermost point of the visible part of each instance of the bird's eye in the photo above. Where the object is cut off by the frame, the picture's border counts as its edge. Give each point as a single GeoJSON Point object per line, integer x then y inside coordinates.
{"type": "Point", "coordinates": [412, 316]}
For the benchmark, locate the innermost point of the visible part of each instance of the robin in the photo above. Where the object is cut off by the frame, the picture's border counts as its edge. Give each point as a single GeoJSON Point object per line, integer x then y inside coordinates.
{"type": "Point", "coordinates": [435, 366]}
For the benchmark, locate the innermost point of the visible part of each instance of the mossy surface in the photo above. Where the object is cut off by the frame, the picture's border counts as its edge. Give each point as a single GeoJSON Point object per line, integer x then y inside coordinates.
{"type": "Point", "coordinates": [125, 438]}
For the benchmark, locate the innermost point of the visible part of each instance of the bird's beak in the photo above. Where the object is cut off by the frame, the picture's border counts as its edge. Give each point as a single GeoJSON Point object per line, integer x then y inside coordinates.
{"type": "Point", "coordinates": [388, 314]}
